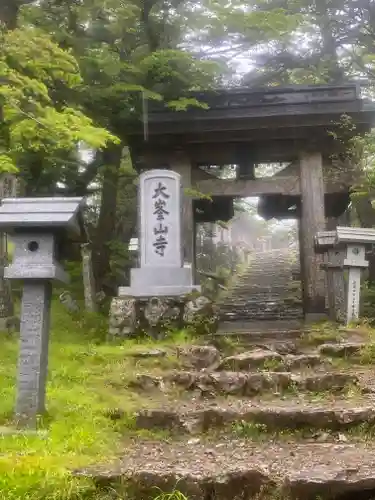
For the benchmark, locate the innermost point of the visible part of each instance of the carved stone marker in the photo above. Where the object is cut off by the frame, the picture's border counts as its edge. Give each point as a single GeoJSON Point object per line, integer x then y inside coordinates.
{"type": "Point", "coordinates": [159, 294]}
{"type": "Point", "coordinates": [345, 249]}
{"type": "Point", "coordinates": [37, 227]}
{"type": "Point", "coordinates": [355, 239]}
{"type": "Point", "coordinates": [68, 302]}
{"type": "Point", "coordinates": [161, 270]}
{"type": "Point", "coordinates": [88, 279]}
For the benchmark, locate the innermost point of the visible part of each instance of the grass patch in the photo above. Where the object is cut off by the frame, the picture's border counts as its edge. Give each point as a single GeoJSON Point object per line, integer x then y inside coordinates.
{"type": "Point", "coordinates": [367, 355]}
{"type": "Point", "coordinates": [274, 365]}
{"type": "Point", "coordinates": [80, 428]}
{"type": "Point", "coordinates": [261, 433]}
{"type": "Point", "coordinates": [321, 334]}
{"type": "Point", "coordinates": [174, 495]}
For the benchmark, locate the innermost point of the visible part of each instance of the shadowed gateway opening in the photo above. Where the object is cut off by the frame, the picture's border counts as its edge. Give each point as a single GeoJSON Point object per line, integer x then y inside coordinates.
{"type": "Point", "coordinates": [258, 260]}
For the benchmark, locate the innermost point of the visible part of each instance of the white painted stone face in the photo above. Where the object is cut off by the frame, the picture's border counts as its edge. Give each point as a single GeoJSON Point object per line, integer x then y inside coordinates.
{"type": "Point", "coordinates": [160, 219]}
{"type": "Point", "coordinates": [354, 287]}
{"type": "Point", "coordinates": [355, 261]}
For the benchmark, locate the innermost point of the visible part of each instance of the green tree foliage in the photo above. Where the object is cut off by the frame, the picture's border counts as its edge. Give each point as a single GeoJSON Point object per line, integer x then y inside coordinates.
{"type": "Point", "coordinates": [79, 73]}
{"type": "Point", "coordinates": [332, 41]}
{"type": "Point", "coordinates": [35, 120]}
{"type": "Point", "coordinates": [124, 53]}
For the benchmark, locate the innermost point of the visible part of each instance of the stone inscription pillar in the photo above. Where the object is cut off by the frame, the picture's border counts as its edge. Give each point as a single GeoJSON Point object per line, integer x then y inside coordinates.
{"type": "Point", "coordinates": [33, 358]}
{"type": "Point", "coordinates": [312, 221]}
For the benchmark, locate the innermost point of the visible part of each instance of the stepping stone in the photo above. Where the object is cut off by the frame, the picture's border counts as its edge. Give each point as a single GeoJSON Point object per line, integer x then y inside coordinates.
{"type": "Point", "coordinates": [153, 353]}
{"type": "Point", "coordinates": [199, 356]}
{"type": "Point", "coordinates": [252, 359]}
{"type": "Point", "coordinates": [234, 468]}
{"type": "Point", "coordinates": [197, 418]}
{"type": "Point", "coordinates": [342, 350]}
{"type": "Point", "coordinates": [263, 359]}
{"type": "Point", "coordinates": [295, 362]}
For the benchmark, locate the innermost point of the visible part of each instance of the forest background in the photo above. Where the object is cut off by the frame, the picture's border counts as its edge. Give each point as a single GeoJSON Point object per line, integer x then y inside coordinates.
{"type": "Point", "coordinates": [74, 72]}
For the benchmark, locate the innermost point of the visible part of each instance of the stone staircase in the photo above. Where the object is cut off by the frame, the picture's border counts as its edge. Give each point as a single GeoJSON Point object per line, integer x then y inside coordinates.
{"type": "Point", "coordinates": [291, 420]}
{"type": "Point", "coordinates": [266, 291]}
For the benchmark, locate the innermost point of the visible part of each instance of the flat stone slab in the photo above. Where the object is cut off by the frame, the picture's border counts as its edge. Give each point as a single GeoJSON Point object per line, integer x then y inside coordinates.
{"type": "Point", "coordinates": [152, 353]}
{"type": "Point", "coordinates": [246, 384]}
{"type": "Point", "coordinates": [198, 417]}
{"type": "Point", "coordinates": [271, 359]}
{"type": "Point", "coordinates": [235, 468]}
{"type": "Point", "coordinates": [252, 359]}
{"type": "Point", "coordinates": [342, 350]}
{"type": "Point", "coordinates": [296, 362]}
{"type": "Point", "coordinates": [199, 356]}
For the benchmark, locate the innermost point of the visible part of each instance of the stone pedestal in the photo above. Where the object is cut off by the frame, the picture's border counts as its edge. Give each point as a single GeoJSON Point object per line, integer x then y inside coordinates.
{"type": "Point", "coordinates": [156, 316]}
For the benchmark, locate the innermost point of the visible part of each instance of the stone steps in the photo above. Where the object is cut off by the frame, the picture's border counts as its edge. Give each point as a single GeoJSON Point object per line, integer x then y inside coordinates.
{"type": "Point", "coordinates": [292, 414]}
{"type": "Point", "coordinates": [245, 384]}
{"type": "Point", "coordinates": [286, 356]}
{"type": "Point", "coordinates": [276, 333]}
{"type": "Point", "coordinates": [264, 292]}
{"type": "Point", "coordinates": [283, 419]}
{"type": "Point", "coordinates": [263, 359]}
{"type": "Point", "coordinates": [230, 469]}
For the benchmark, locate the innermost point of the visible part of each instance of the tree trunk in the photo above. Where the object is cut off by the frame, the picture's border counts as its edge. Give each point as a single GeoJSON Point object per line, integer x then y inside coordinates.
{"type": "Point", "coordinates": [9, 11]}
{"type": "Point", "coordinates": [107, 217]}
{"type": "Point", "coordinates": [335, 73]}
{"type": "Point", "coordinates": [126, 225]}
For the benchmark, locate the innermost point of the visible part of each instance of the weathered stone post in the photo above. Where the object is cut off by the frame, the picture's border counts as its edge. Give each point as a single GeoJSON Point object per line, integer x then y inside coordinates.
{"type": "Point", "coordinates": [355, 239]}
{"type": "Point", "coordinates": [345, 249]}
{"type": "Point", "coordinates": [88, 279]}
{"type": "Point", "coordinates": [333, 265]}
{"type": "Point", "coordinates": [38, 227]}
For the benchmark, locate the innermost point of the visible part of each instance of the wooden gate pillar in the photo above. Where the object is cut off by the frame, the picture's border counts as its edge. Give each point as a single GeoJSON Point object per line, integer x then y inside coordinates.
{"type": "Point", "coordinates": [182, 165]}
{"type": "Point", "coordinates": [312, 221]}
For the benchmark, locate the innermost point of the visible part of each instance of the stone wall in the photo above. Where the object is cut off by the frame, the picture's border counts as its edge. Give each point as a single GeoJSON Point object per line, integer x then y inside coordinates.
{"type": "Point", "coordinates": [155, 316]}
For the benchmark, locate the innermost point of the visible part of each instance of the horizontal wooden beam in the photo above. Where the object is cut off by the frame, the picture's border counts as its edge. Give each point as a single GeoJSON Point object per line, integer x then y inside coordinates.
{"type": "Point", "coordinates": [288, 186]}
{"type": "Point", "coordinates": [224, 153]}
{"type": "Point", "coordinates": [270, 96]}
{"type": "Point", "coordinates": [324, 116]}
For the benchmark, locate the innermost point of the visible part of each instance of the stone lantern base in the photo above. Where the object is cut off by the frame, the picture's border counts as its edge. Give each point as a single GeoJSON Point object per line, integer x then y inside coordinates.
{"type": "Point", "coordinates": [155, 316]}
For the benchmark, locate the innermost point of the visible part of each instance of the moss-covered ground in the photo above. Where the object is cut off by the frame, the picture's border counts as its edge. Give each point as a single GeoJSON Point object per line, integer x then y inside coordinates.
{"type": "Point", "coordinates": [87, 381]}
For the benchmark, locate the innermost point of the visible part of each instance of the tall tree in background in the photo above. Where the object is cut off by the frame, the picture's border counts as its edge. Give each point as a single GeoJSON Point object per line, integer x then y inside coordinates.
{"type": "Point", "coordinates": [125, 50]}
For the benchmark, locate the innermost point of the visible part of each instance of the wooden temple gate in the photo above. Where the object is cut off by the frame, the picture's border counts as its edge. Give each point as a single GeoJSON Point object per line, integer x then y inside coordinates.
{"type": "Point", "coordinates": [295, 125]}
